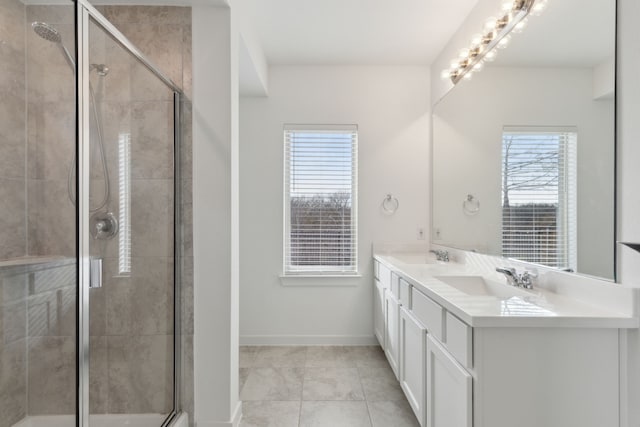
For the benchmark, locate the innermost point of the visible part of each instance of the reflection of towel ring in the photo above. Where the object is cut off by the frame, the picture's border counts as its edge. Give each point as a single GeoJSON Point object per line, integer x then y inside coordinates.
{"type": "Point", "coordinates": [471, 205]}
{"type": "Point", "coordinates": [390, 204]}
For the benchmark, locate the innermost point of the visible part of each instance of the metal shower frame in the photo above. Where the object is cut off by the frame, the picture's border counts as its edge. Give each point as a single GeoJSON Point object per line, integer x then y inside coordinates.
{"type": "Point", "coordinates": [84, 14]}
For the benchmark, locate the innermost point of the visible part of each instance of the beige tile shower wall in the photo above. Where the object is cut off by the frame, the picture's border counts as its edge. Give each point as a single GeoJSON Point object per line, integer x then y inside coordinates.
{"type": "Point", "coordinates": [50, 131]}
{"type": "Point", "coordinates": [137, 337]}
{"type": "Point", "coordinates": [13, 353]}
{"type": "Point", "coordinates": [50, 134]}
{"type": "Point", "coordinates": [13, 225]}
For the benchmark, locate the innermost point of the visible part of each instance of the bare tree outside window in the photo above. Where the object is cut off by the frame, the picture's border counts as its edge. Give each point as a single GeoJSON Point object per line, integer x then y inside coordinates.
{"type": "Point", "coordinates": [534, 197]}
{"type": "Point", "coordinates": [321, 230]}
{"type": "Point", "coordinates": [320, 201]}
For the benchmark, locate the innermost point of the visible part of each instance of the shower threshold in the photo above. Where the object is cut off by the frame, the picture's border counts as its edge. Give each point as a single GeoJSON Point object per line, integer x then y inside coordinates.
{"type": "Point", "coordinates": [106, 420]}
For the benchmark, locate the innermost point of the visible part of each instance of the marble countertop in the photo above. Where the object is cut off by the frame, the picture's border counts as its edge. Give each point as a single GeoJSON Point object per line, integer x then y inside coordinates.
{"type": "Point", "coordinates": [517, 308]}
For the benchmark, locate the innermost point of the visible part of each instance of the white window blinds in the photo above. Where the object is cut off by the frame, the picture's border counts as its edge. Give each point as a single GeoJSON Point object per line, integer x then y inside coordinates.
{"type": "Point", "coordinates": [539, 195]}
{"type": "Point", "coordinates": [320, 186]}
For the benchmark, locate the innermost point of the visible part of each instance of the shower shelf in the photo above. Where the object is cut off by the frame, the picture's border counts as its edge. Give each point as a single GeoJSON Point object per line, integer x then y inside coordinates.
{"type": "Point", "coordinates": [31, 261]}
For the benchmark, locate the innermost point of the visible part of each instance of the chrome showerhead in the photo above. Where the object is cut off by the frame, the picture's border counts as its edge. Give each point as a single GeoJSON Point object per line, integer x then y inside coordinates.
{"type": "Point", "coordinates": [49, 33]}
{"type": "Point", "coordinates": [46, 31]}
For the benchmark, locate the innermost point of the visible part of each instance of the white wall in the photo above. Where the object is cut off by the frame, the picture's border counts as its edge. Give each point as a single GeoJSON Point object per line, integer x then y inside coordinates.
{"type": "Point", "coordinates": [628, 135]}
{"type": "Point", "coordinates": [390, 105]}
{"type": "Point", "coordinates": [215, 216]}
{"type": "Point", "coordinates": [468, 125]}
{"type": "Point", "coordinates": [628, 191]}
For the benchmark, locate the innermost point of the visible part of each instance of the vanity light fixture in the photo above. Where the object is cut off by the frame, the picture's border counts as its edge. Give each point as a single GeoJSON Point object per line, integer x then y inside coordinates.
{"type": "Point", "coordinates": [495, 35]}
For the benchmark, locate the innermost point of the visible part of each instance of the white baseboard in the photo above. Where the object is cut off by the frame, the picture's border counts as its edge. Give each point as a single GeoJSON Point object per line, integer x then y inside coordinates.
{"type": "Point", "coordinates": [181, 421]}
{"type": "Point", "coordinates": [261, 340]}
{"type": "Point", "coordinates": [237, 415]}
{"type": "Point", "coordinates": [234, 422]}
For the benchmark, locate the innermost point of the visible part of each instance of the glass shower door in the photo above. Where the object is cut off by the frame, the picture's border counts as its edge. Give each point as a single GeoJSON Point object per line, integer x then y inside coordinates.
{"type": "Point", "coordinates": [131, 203]}
{"type": "Point", "coordinates": [38, 229]}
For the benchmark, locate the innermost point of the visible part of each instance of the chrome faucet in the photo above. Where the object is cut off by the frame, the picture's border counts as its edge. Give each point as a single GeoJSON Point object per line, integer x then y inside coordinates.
{"type": "Point", "coordinates": [441, 255]}
{"type": "Point", "coordinates": [524, 280]}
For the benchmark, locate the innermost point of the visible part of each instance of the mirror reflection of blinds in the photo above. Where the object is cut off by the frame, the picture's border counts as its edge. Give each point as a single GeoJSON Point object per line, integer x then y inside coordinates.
{"type": "Point", "coordinates": [320, 200]}
{"type": "Point", "coordinates": [539, 195]}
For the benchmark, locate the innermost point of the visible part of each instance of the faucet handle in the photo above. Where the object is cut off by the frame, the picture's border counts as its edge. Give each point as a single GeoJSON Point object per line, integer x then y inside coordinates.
{"type": "Point", "coordinates": [441, 255]}
{"type": "Point", "coordinates": [527, 279]}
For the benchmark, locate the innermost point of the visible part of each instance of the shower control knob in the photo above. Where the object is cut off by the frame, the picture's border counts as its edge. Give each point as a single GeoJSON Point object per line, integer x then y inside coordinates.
{"type": "Point", "coordinates": [104, 225]}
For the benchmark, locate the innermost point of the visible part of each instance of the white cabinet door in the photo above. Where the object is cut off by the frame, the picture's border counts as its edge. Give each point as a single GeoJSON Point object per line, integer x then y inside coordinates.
{"type": "Point", "coordinates": [378, 312]}
{"type": "Point", "coordinates": [449, 385]}
{"type": "Point", "coordinates": [392, 331]}
{"type": "Point", "coordinates": [413, 363]}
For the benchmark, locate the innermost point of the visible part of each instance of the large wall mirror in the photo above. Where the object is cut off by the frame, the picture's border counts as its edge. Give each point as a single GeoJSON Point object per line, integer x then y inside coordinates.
{"type": "Point", "coordinates": [524, 152]}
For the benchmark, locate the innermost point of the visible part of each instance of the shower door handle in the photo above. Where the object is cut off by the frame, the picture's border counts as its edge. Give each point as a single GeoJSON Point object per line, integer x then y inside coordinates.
{"type": "Point", "coordinates": [95, 270]}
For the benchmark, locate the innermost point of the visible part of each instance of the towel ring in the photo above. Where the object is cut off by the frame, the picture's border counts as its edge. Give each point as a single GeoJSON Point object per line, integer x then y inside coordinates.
{"type": "Point", "coordinates": [390, 204]}
{"type": "Point", "coordinates": [471, 205]}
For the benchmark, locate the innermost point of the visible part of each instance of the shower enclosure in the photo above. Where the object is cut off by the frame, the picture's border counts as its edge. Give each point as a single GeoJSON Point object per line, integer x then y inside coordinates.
{"type": "Point", "coordinates": [91, 246]}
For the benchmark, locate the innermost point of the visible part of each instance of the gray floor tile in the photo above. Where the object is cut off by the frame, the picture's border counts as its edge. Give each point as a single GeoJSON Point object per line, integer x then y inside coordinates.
{"type": "Point", "coordinates": [367, 356]}
{"type": "Point", "coordinates": [270, 414]}
{"type": "Point", "coordinates": [280, 357]}
{"type": "Point", "coordinates": [320, 387]}
{"type": "Point", "coordinates": [332, 384]}
{"type": "Point", "coordinates": [273, 384]}
{"type": "Point", "coordinates": [396, 414]}
{"type": "Point", "coordinates": [329, 357]}
{"type": "Point", "coordinates": [334, 414]}
{"type": "Point", "coordinates": [380, 384]}
{"type": "Point", "coordinates": [244, 374]}
{"type": "Point", "coordinates": [248, 356]}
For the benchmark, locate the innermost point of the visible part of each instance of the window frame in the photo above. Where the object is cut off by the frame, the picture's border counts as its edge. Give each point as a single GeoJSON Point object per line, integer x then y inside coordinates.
{"type": "Point", "coordinates": [566, 219]}
{"type": "Point", "coordinates": [351, 270]}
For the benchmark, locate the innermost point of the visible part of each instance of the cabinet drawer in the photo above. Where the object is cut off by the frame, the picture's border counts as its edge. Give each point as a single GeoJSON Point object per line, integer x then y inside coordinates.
{"type": "Point", "coordinates": [429, 312]}
{"type": "Point", "coordinates": [405, 293]}
{"type": "Point", "coordinates": [395, 285]}
{"type": "Point", "coordinates": [459, 340]}
{"type": "Point", "coordinates": [384, 276]}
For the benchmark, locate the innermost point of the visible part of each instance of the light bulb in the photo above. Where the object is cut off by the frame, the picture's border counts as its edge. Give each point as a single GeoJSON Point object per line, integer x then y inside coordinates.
{"type": "Point", "coordinates": [507, 5]}
{"type": "Point", "coordinates": [454, 65]}
{"type": "Point", "coordinates": [476, 40]}
{"type": "Point", "coordinates": [490, 24]}
{"type": "Point", "coordinates": [504, 42]}
{"type": "Point", "coordinates": [520, 26]}
{"type": "Point", "coordinates": [468, 75]}
{"type": "Point", "coordinates": [490, 56]}
{"type": "Point", "coordinates": [445, 75]}
{"type": "Point", "coordinates": [479, 66]}
{"type": "Point", "coordinates": [538, 7]}
{"type": "Point", "coordinates": [464, 53]}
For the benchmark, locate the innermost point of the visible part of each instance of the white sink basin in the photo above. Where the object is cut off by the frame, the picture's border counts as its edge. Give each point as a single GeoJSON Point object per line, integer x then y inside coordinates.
{"type": "Point", "coordinates": [415, 258]}
{"type": "Point", "coordinates": [479, 286]}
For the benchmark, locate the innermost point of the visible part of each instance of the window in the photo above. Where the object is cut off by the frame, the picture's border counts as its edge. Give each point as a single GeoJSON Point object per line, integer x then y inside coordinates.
{"type": "Point", "coordinates": [539, 195]}
{"type": "Point", "coordinates": [124, 200]}
{"type": "Point", "coordinates": [320, 196]}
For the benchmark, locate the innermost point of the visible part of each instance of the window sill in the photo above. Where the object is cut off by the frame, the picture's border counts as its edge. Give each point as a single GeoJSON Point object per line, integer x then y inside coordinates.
{"type": "Point", "coordinates": [323, 280]}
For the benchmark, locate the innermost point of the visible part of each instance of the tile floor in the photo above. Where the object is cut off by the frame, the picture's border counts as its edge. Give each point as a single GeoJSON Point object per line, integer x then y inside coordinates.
{"type": "Point", "coordinates": [320, 387]}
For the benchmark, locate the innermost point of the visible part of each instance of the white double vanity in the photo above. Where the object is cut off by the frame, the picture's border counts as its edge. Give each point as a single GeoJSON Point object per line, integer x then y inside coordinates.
{"type": "Point", "coordinates": [471, 350]}
{"type": "Point", "coordinates": [523, 169]}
